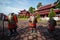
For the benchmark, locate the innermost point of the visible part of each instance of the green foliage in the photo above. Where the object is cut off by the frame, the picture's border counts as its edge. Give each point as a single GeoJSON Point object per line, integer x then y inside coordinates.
{"type": "Point", "coordinates": [51, 13]}
{"type": "Point", "coordinates": [39, 4]}
{"type": "Point", "coordinates": [38, 15]}
{"type": "Point", "coordinates": [23, 16]}
{"type": "Point", "coordinates": [31, 10]}
{"type": "Point", "coordinates": [27, 16]}
{"type": "Point", "coordinates": [58, 6]}
{"type": "Point", "coordinates": [58, 2]}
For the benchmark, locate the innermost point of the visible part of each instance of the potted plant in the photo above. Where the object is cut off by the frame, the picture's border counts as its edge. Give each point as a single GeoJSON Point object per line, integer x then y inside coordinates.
{"type": "Point", "coordinates": [51, 21]}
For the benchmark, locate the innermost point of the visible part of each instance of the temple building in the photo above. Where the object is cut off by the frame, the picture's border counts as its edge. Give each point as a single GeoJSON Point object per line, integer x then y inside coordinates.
{"type": "Point", "coordinates": [44, 10]}
{"type": "Point", "coordinates": [23, 13]}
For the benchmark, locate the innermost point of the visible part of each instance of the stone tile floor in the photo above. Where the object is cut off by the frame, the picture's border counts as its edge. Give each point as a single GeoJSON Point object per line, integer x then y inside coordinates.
{"type": "Point", "coordinates": [41, 34]}
{"type": "Point", "coordinates": [24, 34]}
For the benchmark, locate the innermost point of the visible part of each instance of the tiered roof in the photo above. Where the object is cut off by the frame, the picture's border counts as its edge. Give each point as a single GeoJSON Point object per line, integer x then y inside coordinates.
{"type": "Point", "coordinates": [46, 9]}
{"type": "Point", "coordinates": [47, 6]}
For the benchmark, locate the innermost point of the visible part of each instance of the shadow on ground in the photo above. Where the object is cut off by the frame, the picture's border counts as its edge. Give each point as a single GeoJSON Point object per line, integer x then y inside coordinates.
{"type": "Point", "coordinates": [55, 35]}
{"type": "Point", "coordinates": [24, 34]}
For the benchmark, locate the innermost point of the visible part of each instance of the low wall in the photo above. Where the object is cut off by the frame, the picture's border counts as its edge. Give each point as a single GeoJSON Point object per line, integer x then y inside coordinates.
{"type": "Point", "coordinates": [47, 18]}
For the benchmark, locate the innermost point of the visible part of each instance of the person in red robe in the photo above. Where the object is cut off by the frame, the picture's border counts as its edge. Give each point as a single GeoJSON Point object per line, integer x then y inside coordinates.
{"type": "Point", "coordinates": [12, 23]}
{"type": "Point", "coordinates": [32, 22]}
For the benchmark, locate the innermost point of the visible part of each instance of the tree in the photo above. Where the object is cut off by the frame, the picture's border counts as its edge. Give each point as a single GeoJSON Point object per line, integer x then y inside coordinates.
{"type": "Point", "coordinates": [51, 13]}
{"type": "Point", "coordinates": [39, 4]}
{"type": "Point", "coordinates": [58, 6]}
{"type": "Point", "coordinates": [38, 15]}
{"type": "Point", "coordinates": [58, 2]}
{"type": "Point", "coordinates": [31, 10]}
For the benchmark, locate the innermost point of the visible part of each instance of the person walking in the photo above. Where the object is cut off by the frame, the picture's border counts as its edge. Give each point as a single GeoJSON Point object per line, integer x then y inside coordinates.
{"type": "Point", "coordinates": [51, 25]}
{"type": "Point", "coordinates": [32, 22]}
{"type": "Point", "coordinates": [12, 23]}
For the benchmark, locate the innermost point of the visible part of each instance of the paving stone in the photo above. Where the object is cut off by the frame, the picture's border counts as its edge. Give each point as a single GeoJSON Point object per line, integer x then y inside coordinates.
{"type": "Point", "coordinates": [20, 39]}
{"type": "Point", "coordinates": [34, 39]}
{"type": "Point", "coordinates": [39, 38]}
{"type": "Point", "coordinates": [38, 32]}
{"type": "Point", "coordinates": [43, 38]}
{"type": "Point", "coordinates": [17, 37]}
{"type": "Point", "coordinates": [25, 38]}
{"type": "Point", "coordinates": [22, 35]}
{"type": "Point", "coordinates": [52, 38]}
{"type": "Point", "coordinates": [27, 35]}
{"type": "Point", "coordinates": [30, 37]}
{"type": "Point", "coordinates": [48, 39]}
{"type": "Point", "coordinates": [39, 35]}
{"type": "Point", "coordinates": [35, 36]}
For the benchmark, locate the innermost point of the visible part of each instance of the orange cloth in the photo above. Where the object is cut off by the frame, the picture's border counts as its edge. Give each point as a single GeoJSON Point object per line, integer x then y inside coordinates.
{"type": "Point", "coordinates": [32, 24]}
{"type": "Point", "coordinates": [15, 18]}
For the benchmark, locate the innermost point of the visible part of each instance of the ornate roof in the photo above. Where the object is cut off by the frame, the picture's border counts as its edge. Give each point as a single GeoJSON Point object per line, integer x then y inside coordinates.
{"type": "Point", "coordinates": [47, 12]}
{"type": "Point", "coordinates": [47, 6]}
{"type": "Point", "coordinates": [46, 9]}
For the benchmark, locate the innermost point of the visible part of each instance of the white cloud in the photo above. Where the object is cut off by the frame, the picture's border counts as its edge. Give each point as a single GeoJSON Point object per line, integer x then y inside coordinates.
{"type": "Point", "coordinates": [4, 2]}
{"type": "Point", "coordinates": [7, 10]}
{"type": "Point", "coordinates": [21, 2]}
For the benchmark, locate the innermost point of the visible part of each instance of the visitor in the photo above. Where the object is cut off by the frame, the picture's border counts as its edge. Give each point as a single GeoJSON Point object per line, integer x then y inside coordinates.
{"type": "Point", "coordinates": [32, 22]}
{"type": "Point", "coordinates": [12, 23]}
{"type": "Point", "coordinates": [51, 25]}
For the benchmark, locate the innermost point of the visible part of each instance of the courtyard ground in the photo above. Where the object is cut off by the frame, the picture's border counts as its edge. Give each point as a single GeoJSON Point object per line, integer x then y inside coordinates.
{"type": "Point", "coordinates": [24, 33]}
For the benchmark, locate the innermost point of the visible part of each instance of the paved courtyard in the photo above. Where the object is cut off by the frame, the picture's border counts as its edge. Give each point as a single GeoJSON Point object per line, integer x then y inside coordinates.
{"type": "Point", "coordinates": [24, 33]}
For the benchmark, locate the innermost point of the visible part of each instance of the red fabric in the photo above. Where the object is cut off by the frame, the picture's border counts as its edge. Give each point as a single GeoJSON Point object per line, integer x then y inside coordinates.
{"type": "Point", "coordinates": [11, 26]}
{"type": "Point", "coordinates": [15, 18]}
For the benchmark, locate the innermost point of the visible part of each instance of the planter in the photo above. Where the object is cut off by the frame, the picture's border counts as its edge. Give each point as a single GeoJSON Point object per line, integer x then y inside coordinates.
{"type": "Point", "coordinates": [51, 25]}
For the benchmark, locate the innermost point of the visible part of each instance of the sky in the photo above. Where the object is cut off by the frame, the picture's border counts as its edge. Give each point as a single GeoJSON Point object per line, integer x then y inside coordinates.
{"type": "Point", "coordinates": [9, 6]}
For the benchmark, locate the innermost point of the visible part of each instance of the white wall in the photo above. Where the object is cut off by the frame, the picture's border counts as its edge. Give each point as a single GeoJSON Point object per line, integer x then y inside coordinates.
{"type": "Point", "coordinates": [47, 18]}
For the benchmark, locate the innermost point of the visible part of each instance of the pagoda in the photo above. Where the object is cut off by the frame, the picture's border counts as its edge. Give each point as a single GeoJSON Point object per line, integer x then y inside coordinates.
{"type": "Point", "coordinates": [44, 10]}
{"type": "Point", "coordinates": [23, 13]}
